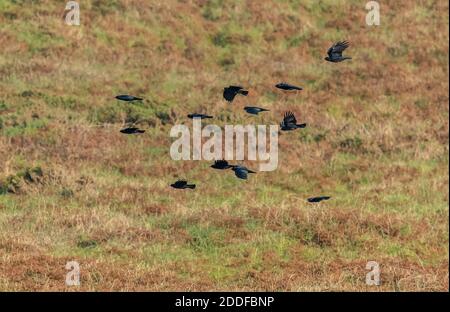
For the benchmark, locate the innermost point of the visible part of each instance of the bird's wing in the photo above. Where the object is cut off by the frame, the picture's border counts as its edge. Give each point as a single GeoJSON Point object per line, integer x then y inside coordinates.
{"type": "Point", "coordinates": [289, 118]}
{"type": "Point", "coordinates": [288, 85]}
{"type": "Point", "coordinates": [338, 47]}
{"type": "Point", "coordinates": [253, 110]}
{"type": "Point", "coordinates": [181, 183]}
{"type": "Point", "coordinates": [221, 163]}
{"type": "Point", "coordinates": [229, 94]}
{"type": "Point", "coordinates": [241, 173]}
{"type": "Point", "coordinates": [330, 51]}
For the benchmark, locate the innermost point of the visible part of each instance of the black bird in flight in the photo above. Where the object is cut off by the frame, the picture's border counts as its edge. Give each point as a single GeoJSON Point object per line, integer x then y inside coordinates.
{"type": "Point", "coordinates": [254, 110]}
{"type": "Point", "coordinates": [128, 98]}
{"type": "Point", "coordinates": [335, 52]}
{"type": "Point", "coordinates": [318, 199]}
{"type": "Point", "coordinates": [131, 130]}
{"type": "Point", "coordinates": [221, 165]}
{"type": "Point", "coordinates": [290, 122]}
{"type": "Point", "coordinates": [230, 92]}
{"type": "Point", "coordinates": [201, 116]}
{"type": "Point", "coordinates": [182, 184]}
{"type": "Point", "coordinates": [287, 87]}
{"type": "Point", "coordinates": [242, 172]}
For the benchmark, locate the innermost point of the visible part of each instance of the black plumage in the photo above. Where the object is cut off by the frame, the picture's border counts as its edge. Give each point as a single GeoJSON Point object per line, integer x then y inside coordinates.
{"type": "Point", "coordinates": [287, 87]}
{"type": "Point", "coordinates": [242, 172]}
{"type": "Point", "coordinates": [221, 165]}
{"type": "Point", "coordinates": [128, 98]}
{"type": "Point", "coordinates": [182, 184]}
{"type": "Point", "coordinates": [318, 199]}
{"type": "Point", "coordinates": [290, 122]}
{"type": "Point", "coordinates": [254, 110]}
{"type": "Point", "coordinates": [229, 93]}
{"type": "Point", "coordinates": [132, 130]}
{"type": "Point", "coordinates": [335, 52]}
{"type": "Point", "coordinates": [201, 116]}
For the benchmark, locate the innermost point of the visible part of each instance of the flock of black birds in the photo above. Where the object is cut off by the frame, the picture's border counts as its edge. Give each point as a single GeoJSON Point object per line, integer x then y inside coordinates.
{"type": "Point", "coordinates": [288, 123]}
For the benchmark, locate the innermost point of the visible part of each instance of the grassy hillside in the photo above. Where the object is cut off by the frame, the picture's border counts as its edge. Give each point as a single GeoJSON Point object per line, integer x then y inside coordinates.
{"type": "Point", "coordinates": [73, 188]}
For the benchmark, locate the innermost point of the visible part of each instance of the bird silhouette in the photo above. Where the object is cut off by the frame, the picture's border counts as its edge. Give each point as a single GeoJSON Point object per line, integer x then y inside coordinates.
{"type": "Point", "coordinates": [335, 52]}
{"type": "Point", "coordinates": [287, 87]}
{"type": "Point", "coordinates": [182, 184]}
{"type": "Point", "coordinates": [128, 98]}
{"type": "Point", "coordinates": [229, 93]}
{"type": "Point", "coordinates": [290, 122]}
{"type": "Point", "coordinates": [242, 172]}
{"type": "Point", "coordinates": [221, 165]}
{"type": "Point", "coordinates": [132, 130]}
{"type": "Point", "coordinates": [318, 199]}
{"type": "Point", "coordinates": [254, 110]}
{"type": "Point", "coordinates": [201, 116]}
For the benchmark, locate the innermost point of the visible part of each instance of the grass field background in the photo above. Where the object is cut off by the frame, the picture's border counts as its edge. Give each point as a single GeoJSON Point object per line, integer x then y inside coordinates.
{"type": "Point", "coordinates": [73, 188]}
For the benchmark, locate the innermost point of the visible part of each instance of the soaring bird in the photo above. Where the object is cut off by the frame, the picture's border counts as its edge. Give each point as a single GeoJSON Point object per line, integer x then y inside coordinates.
{"type": "Point", "coordinates": [201, 116]}
{"type": "Point", "coordinates": [132, 130]}
{"type": "Point", "coordinates": [254, 110]}
{"type": "Point", "coordinates": [230, 92]}
{"type": "Point", "coordinates": [182, 184]}
{"type": "Point", "coordinates": [242, 172]}
{"type": "Point", "coordinates": [335, 52]}
{"type": "Point", "coordinates": [290, 122]}
{"type": "Point", "coordinates": [287, 87]}
{"type": "Point", "coordinates": [221, 165]}
{"type": "Point", "coordinates": [128, 98]}
{"type": "Point", "coordinates": [318, 199]}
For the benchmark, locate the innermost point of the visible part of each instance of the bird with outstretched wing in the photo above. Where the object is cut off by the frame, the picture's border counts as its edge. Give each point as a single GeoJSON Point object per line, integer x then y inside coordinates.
{"type": "Point", "coordinates": [290, 122]}
{"type": "Point", "coordinates": [335, 52]}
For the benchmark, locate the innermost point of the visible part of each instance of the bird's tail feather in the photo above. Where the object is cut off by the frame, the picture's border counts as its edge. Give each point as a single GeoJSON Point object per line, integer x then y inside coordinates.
{"type": "Point", "coordinates": [243, 92]}
{"type": "Point", "coordinates": [303, 125]}
{"type": "Point", "coordinates": [191, 186]}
